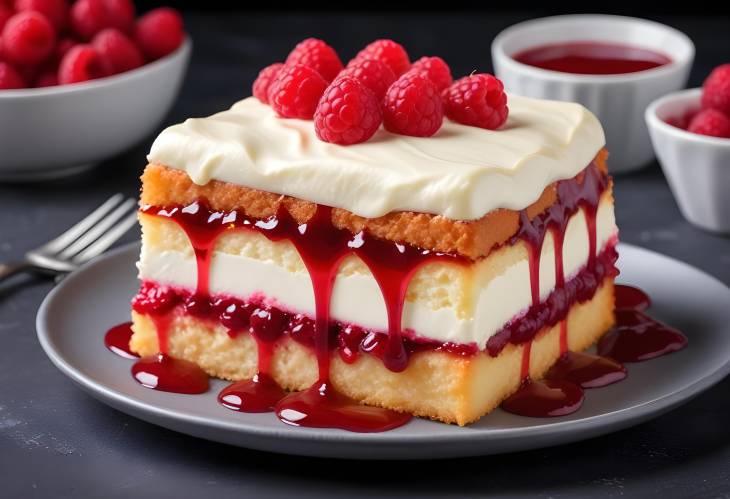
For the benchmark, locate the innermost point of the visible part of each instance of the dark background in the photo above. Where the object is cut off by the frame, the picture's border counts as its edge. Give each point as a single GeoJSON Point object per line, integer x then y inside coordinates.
{"type": "Point", "coordinates": [535, 7]}
{"type": "Point", "coordinates": [55, 441]}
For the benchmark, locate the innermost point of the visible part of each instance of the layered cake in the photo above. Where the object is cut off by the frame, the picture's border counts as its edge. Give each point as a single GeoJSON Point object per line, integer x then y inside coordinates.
{"type": "Point", "coordinates": [430, 274]}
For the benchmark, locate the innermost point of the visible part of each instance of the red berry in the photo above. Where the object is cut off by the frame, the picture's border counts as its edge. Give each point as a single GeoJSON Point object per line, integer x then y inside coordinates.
{"type": "Point", "coordinates": [268, 323]}
{"type": "Point", "coordinates": [435, 69]}
{"type": "Point", "coordinates": [302, 329]}
{"type": "Point", "coordinates": [264, 80]}
{"type": "Point", "coordinates": [56, 11]}
{"type": "Point", "coordinates": [413, 106]}
{"type": "Point", "coordinates": [28, 38]}
{"type": "Point", "coordinates": [159, 32]}
{"type": "Point", "coordinates": [372, 73]}
{"type": "Point", "coordinates": [88, 17]}
{"type": "Point", "coordinates": [5, 14]}
{"type": "Point", "coordinates": [9, 77]}
{"type": "Point", "coordinates": [388, 52]}
{"type": "Point", "coordinates": [347, 113]}
{"type": "Point", "coordinates": [716, 89]}
{"type": "Point", "coordinates": [120, 14]}
{"type": "Point", "coordinates": [317, 55]}
{"type": "Point", "coordinates": [154, 298]}
{"type": "Point", "coordinates": [477, 100]}
{"type": "Point", "coordinates": [683, 120]}
{"type": "Point", "coordinates": [29, 73]}
{"type": "Point", "coordinates": [47, 79]}
{"type": "Point", "coordinates": [711, 122]}
{"type": "Point", "coordinates": [234, 314]}
{"type": "Point", "coordinates": [296, 91]}
{"type": "Point", "coordinates": [62, 48]}
{"type": "Point", "coordinates": [81, 63]}
{"type": "Point", "coordinates": [116, 51]}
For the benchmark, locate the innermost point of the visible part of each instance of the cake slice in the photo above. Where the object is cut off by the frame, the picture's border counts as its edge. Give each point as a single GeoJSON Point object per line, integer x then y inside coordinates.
{"type": "Point", "coordinates": [446, 269]}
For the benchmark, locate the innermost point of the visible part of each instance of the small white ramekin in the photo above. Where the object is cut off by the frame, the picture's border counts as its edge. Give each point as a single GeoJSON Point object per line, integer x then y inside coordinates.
{"type": "Point", "coordinates": [697, 167]}
{"type": "Point", "coordinates": [617, 100]}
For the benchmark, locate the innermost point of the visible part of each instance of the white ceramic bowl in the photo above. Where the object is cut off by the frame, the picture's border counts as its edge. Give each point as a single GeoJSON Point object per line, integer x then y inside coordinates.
{"type": "Point", "coordinates": [617, 100]}
{"type": "Point", "coordinates": [56, 131]}
{"type": "Point", "coordinates": [697, 167]}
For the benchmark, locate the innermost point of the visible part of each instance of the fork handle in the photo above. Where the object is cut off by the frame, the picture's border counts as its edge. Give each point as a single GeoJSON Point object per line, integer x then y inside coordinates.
{"type": "Point", "coordinates": [12, 268]}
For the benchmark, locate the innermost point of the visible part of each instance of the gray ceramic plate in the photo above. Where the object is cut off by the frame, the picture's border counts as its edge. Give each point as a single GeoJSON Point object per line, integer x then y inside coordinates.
{"type": "Point", "coordinates": [73, 318]}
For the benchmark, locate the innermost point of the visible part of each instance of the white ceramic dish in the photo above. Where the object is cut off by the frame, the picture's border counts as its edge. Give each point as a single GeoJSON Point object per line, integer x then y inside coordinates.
{"type": "Point", "coordinates": [56, 131]}
{"type": "Point", "coordinates": [617, 100]}
{"type": "Point", "coordinates": [697, 167]}
{"type": "Point", "coordinates": [73, 318]}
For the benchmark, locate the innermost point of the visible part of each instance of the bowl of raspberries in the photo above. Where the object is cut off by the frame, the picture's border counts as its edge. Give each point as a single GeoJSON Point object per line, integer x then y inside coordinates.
{"type": "Point", "coordinates": [82, 81]}
{"type": "Point", "coordinates": [690, 132]}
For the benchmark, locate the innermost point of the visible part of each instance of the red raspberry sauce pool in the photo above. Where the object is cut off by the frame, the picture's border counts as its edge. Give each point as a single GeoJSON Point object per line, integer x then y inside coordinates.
{"type": "Point", "coordinates": [592, 58]}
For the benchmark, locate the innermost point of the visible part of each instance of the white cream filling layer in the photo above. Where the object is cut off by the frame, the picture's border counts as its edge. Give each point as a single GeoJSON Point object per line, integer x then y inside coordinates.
{"type": "Point", "coordinates": [357, 298]}
{"type": "Point", "coordinates": [462, 172]}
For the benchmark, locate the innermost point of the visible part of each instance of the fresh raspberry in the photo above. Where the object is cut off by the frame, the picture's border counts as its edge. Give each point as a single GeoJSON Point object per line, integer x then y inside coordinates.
{"type": "Point", "coordinates": [435, 69]}
{"type": "Point", "coordinates": [264, 80]}
{"type": "Point", "coordinates": [296, 91]}
{"type": "Point", "coordinates": [9, 77]}
{"type": "Point", "coordinates": [120, 14]}
{"type": "Point", "coordinates": [159, 32]}
{"type": "Point", "coordinates": [711, 122]}
{"type": "Point", "coordinates": [477, 100]}
{"type": "Point", "coordinates": [347, 113]}
{"type": "Point", "coordinates": [317, 55]}
{"type": "Point", "coordinates": [56, 11]}
{"type": "Point", "coordinates": [29, 74]}
{"type": "Point", "coordinates": [5, 14]}
{"type": "Point", "coordinates": [388, 52]}
{"type": "Point", "coordinates": [81, 63]}
{"type": "Point", "coordinates": [116, 51]}
{"type": "Point", "coordinates": [373, 74]}
{"type": "Point", "coordinates": [28, 38]}
{"type": "Point", "coordinates": [683, 120]}
{"type": "Point", "coordinates": [47, 79]}
{"type": "Point", "coordinates": [62, 48]}
{"type": "Point", "coordinates": [413, 106]}
{"type": "Point", "coordinates": [716, 89]}
{"type": "Point", "coordinates": [88, 17]}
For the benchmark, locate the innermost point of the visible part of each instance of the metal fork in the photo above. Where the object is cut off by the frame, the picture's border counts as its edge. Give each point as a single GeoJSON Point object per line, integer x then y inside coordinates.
{"type": "Point", "coordinates": [82, 242]}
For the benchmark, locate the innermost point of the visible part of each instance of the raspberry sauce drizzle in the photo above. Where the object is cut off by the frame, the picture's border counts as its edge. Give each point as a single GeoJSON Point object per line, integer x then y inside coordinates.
{"type": "Point", "coordinates": [258, 394]}
{"type": "Point", "coordinates": [636, 336]}
{"type": "Point", "coordinates": [540, 398]}
{"type": "Point", "coordinates": [393, 267]}
{"type": "Point", "coordinates": [322, 248]}
{"type": "Point", "coordinates": [117, 340]}
{"type": "Point", "coordinates": [562, 393]}
{"type": "Point", "coordinates": [161, 371]}
{"type": "Point", "coordinates": [586, 370]}
{"type": "Point", "coordinates": [631, 298]}
{"type": "Point", "coordinates": [168, 374]}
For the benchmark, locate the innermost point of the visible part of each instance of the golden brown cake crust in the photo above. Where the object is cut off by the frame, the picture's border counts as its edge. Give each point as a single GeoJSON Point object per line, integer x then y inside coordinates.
{"type": "Point", "coordinates": [163, 186]}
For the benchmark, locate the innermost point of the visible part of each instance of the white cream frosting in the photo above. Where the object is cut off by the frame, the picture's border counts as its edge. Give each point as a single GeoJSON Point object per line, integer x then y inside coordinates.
{"type": "Point", "coordinates": [462, 172]}
{"type": "Point", "coordinates": [356, 298]}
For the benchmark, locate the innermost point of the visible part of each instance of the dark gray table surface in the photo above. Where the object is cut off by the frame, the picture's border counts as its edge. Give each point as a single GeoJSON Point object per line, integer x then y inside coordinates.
{"type": "Point", "coordinates": [55, 441]}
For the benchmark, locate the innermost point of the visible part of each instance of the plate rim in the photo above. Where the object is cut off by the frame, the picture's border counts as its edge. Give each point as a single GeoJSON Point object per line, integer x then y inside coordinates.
{"type": "Point", "coordinates": [584, 428]}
